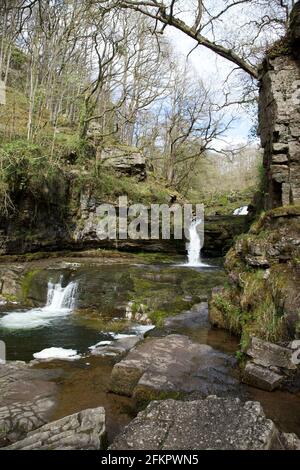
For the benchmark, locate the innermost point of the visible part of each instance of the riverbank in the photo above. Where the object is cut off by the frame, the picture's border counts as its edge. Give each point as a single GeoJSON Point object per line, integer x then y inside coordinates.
{"type": "Point", "coordinates": [87, 381]}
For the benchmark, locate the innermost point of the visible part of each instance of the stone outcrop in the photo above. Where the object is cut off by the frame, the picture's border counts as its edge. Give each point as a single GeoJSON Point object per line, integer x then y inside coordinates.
{"type": "Point", "coordinates": [173, 366]}
{"type": "Point", "coordinates": [263, 298]}
{"type": "Point", "coordinates": [213, 423]}
{"type": "Point", "coordinates": [130, 162]}
{"type": "Point", "coordinates": [197, 317]}
{"type": "Point", "coordinates": [279, 114]}
{"type": "Point", "coordinates": [270, 366]}
{"type": "Point", "coordinates": [263, 270]}
{"type": "Point", "coordinates": [81, 431]}
{"type": "Point", "coordinates": [221, 231]}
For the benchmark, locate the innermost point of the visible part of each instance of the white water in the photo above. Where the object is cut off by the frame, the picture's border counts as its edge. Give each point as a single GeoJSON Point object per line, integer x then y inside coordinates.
{"type": "Point", "coordinates": [194, 246]}
{"type": "Point", "coordinates": [60, 302]}
{"type": "Point", "coordinates": [241, 211]}
{"type": "Point", "coordinates": [57, 353]}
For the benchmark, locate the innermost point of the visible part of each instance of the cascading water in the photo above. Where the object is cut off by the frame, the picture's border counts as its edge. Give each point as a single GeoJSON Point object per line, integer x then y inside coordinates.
{"type": "Point", "coordinates": [194, 246]}
{"type": "Point", "coordinates": [61, 298]}
{"type": "Point", "coordinates": [61, 301]}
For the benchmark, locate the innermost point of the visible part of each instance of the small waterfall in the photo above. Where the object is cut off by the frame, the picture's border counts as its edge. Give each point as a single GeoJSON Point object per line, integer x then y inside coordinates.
{"type": "Point", "coordinates": [61, 298]}
{"type": "Point", "coordinates": [194, 246]}
{"type": "Point", "coordinates": [61, 301]}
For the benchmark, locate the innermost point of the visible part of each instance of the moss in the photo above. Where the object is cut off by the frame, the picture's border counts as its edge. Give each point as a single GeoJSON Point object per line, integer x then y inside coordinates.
{"type": "Point", "coordinates": [10, 298]}
{"type": "Point", "coordinates": [26, 283]}
{"type": "Point", "coordinates": [144, 395]}
{"type": "Point", "coordinates": [231, 313]}
{"type": "Point", "coordinates": [282, 47]}
{"type": "Point", "coordinates": [94, 320]}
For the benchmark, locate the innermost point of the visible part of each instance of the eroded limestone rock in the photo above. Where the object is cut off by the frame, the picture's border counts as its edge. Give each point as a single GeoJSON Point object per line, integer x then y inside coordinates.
{"type": "Point", "coordinates": [213, 423]}
{"type": "Point", "coordinates": [27, 399]}
{"type": "Point", "coordinates": [172, 366]}
{"type": "Point", "coordinates": [81, 431]}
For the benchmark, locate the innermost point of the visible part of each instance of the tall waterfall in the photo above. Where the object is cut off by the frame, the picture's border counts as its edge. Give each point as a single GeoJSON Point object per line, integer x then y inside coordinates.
{"type": "Point", "coordinates": [194, 246]}
{"type": "Point", "coordinates": [61, 301]}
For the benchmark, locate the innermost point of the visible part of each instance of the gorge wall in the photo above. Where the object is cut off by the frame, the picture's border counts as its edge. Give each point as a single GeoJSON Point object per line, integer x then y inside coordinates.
{"type": "Point", "coordinates": [279, 118]}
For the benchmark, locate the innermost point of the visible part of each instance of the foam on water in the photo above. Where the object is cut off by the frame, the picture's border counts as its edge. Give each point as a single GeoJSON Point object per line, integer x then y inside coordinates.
{"type": "Point", "coordinates": [60, 302]}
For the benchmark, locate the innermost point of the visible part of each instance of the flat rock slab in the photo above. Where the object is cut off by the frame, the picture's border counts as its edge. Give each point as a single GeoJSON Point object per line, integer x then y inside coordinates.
{"type": "Point", "coordinates": [20, 382]}
{"type": "Point", "coordinates": [27, 399]}
{"type": "Point", "coordinates": [81, 431]}
{"type": "Point", "coordinates": [213, 423]}
{"type": "Point", "coordinates": [197, 317]}
{"type": "Point", "coordinates": [171, 366]}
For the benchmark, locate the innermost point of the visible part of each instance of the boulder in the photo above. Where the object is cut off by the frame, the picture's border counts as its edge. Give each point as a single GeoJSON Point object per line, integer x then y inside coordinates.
{"type": "Point", "coordinates": [197, 317]}
{"type": "Point", "coordinates": [116, 348]}
{"type": "Point", "coordinates": [269, 354]}
{"type": "Point", "coordinates": [172, 366]}
{"type": "Point", "coordinates": [213, 423]}
{"type": "Point", "coordinates": [261, 377]}
{"type": "Point", "coordinates": [81, 431]}
{"type": "Point", "coordinates": [125, 160]}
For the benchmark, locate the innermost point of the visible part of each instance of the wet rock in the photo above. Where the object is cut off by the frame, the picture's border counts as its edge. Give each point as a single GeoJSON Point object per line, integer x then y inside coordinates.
{"type": "Point", "coordinates": [213, 423]}
{"type": "Point", "coordinates": [81, 431]}
{"type": "Point", "coordinates": [197, 317]}
{"type": "Point", "coordinates": [173, 366]}
{"type": "Point", "coordinates": [118, 347]}
{"type": "Point", "coordinates": [20, 382]}
{"type": "Point", "coordinates": [261, 377]}
{"type": "Point", "coordinates": [271, 366]}
{"type": "Point", "coordinates": [268, 354]}
{"type": "Point", "coordinates": [137, 314]}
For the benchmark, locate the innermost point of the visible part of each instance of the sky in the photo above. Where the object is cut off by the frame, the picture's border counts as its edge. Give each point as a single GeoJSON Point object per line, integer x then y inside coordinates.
{"type": "Point", "coordinates": [213, 70]}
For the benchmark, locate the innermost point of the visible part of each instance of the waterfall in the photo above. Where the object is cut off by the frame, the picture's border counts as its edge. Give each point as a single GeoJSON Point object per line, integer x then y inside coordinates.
{"type": "Point", "coordinates": [194, 246]}
{"type": "Point", "coordinates": [61, 301]}
{"type": "Point", "coordinates": [61, 298]}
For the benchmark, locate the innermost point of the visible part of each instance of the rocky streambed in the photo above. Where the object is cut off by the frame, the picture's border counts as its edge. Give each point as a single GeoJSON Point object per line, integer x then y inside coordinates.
{"type": "Point", "coordinates": [140, 332]}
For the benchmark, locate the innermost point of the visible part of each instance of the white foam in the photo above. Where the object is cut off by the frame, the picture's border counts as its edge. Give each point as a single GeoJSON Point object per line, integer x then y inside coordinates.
{"type": "Point", "coordinates": [121, 336]}
{"type": "Point", "coordinates": [141, 330]}
{"type": "Point", "coordinates": [241, 211]}
{"type": "Point", "coordinates": [57, 353]}
{"type": "Point", "coordinates": [101, 344]}
{"type": "Point", "coordinates": [60, 302]}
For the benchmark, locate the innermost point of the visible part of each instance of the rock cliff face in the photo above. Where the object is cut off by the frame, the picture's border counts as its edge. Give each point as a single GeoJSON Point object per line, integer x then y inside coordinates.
{"type": "Point", "coordinates": [263, 298]}
{"type": "Point", "coordinates": [123, 161]}
{"type": "Point", "coordinates": [67, 218]}
{"type": "Point", "coordinates": [279, 105]}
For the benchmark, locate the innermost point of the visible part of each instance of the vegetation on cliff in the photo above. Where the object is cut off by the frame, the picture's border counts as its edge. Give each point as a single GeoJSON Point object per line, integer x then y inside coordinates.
{"type": "Point", "coordinates": [262, 298]}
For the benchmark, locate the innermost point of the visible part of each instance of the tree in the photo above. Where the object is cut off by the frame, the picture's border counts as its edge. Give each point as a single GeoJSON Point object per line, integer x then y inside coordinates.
{"type": "Point", "coordinates": [253, 20]}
